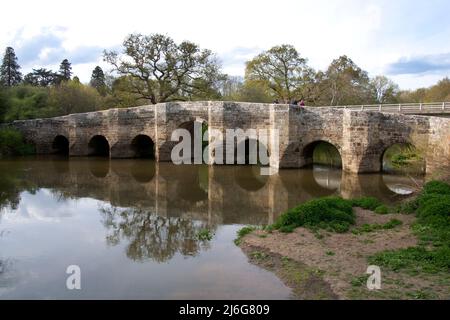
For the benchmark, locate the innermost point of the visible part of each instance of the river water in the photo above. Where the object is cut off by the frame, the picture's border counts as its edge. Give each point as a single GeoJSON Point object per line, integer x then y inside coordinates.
{"type": "Point", "coordinates": [132, 225]}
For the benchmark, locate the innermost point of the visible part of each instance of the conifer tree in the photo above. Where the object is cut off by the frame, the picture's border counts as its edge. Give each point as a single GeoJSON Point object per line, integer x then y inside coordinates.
{"type": "Point", "coordinates": [9, 70]}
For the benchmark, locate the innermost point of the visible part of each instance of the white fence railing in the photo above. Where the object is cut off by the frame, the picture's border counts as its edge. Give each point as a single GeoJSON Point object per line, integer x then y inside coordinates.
{"type": "Point", "coordinates": [411, 108]}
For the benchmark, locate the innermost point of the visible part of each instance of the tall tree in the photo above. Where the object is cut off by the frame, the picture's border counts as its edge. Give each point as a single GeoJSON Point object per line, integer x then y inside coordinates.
{"type": "Point", "coordinates": [98, 80]}
{"type": "Point", "coordinates": [9, 70]}
{"type": "Point", "coordinates": [40, 77]}
{"type": "Point", "coordinates": [65, 70]}
{"type": "Point", "coordinates": [162, 70]}
{"type": "Point", "coordinates": [383, 89]}
{"type": "Point", "coordinates": [72, 97]}
{"type": "Point", "coordinates": [346, 82]}
{"type": "Point", "coordinates": [281, 70]}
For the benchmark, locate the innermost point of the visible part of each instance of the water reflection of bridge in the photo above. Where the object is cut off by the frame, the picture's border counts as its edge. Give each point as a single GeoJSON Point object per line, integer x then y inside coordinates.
{"type": "Point", "coordinates": [214, 194]}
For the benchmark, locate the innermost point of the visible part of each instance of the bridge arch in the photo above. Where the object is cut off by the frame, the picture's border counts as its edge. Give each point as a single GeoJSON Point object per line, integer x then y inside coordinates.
{"type": "Point", "coordinates": [143, 147]}
{"type": "Point", "coordinates": [321, 152]}
{"type": "Point", "coordinates": [98, 146]}
{"type": "Point", "coordinates": [165, 150]}
{"type": "Point", "coordinates": [60, 145]}
{"type": "Point", "coordinates": [401, 152]}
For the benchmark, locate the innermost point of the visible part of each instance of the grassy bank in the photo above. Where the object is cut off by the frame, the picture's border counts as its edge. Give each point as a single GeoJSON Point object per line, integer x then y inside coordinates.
{"type": "Point", "coordinates": [432, 255]}
{"type": "Point", "coordinates": [409, 242]}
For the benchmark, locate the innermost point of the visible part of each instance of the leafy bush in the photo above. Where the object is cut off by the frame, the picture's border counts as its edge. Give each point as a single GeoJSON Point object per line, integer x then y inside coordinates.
{"type": "Point", "coordinates": [333, 213]}
{"type": "Point", "coordinates": [368, 203]}
{"type": "Point", "coordinates": [12, 143]}
{"type": "Point", "coordinates": [407, 207]}
{"type": "Point", "coordinates": [25, 102]}
{"type": "Point", "coordinates": [440, 208]}
{"type": "Point", "coordinates": [436, 187]}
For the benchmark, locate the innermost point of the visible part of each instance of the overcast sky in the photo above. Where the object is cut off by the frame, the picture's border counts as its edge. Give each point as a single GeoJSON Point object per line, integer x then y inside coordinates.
{"type": "Point", "coordinates": [407, 40]}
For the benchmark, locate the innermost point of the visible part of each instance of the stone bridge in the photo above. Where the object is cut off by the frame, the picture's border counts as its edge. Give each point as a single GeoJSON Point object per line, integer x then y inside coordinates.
{"type": "Point", "coordinates": [361, 137]}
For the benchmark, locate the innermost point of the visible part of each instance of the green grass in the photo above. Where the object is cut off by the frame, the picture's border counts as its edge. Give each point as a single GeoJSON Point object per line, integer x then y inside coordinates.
{"type": "Point", "coordinates": [382, 209]}
{"type": "Point", "coordinates": [359, 281]}
{"type": "Point", "coordinates": [437, 187]}
{"type": "Point", "coordinates": [259, 255]}
{"type": "Point", "coordinates": [366, 228]}
{"type": "Point", "coordinates": [332, 214]}
{"type": "Point", "coordinates": [242, 233]}
{"type": "Point", "coordinates": [407, 207]}
{"type": "Point", "coordinates": [432, 208]}
{"type": "Point", "coordinates": [368, 203]}
{"type": "Point", "coordinates": [417, 259]}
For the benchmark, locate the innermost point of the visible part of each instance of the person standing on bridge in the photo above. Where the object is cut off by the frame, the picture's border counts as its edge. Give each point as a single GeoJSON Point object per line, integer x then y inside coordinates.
{"type": "Point", "coordinates": [301, 103]}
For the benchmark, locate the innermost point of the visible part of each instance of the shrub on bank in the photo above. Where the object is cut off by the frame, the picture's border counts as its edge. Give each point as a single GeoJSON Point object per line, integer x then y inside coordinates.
{"type": "Point", "coordinates": [333, 213]}
{"type": "Point", "coordinates": [368, 203]}
{"type": "Point", "coordinates": [12, 143]}
{"type": "Point", "coordinates": [432, 208]}
{"type": "Point", "coordinates": [382, 209]}
{"type": "Point", "coordinates": [242, 233]}
{"type": "Point", "coordinates": [436, 188]}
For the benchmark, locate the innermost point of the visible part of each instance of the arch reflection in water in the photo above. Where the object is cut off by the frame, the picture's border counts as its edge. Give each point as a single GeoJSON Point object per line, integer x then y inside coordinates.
{"type": "Point", "coordinates": [143, 171]}
{"type": "Point", "coordinates": [151, 236]}
{"type": "Point", "coordinates": [99, 167]}
{"type": "Point", "coordinates": [249, 178]}
{"type": "Point", "coordinates": [327, 177]}
{"type": "Point", "coordinates": [401, 185]}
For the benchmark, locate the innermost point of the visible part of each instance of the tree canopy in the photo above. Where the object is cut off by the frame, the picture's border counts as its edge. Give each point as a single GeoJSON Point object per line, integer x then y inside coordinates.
{"type": "Point", "coordinates": [154, 68]}
{"type": "Point", "coordinates": [65, 70]}
{"type": "Point", "coordinates": [161, 70]}
{"type": "Point", "coordinates": [281, 70]}
{"type": "Point", "coordinates": [98, 80]}
{"type": "Point", "coordinates": [40, 77]}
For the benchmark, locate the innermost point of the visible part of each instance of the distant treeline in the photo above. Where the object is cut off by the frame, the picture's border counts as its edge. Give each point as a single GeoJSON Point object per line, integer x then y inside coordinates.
{"type": "Point", "coordinates": [153, 69]}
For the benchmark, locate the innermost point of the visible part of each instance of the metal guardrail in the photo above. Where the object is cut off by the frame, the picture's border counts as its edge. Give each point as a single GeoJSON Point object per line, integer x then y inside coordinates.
{"type": "Point", "coordinates": [406, 108]}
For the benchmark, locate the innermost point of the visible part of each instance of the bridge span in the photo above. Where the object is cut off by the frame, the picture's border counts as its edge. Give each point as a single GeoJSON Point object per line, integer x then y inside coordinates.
{"type": "Point", "coordinates": [360, 136]}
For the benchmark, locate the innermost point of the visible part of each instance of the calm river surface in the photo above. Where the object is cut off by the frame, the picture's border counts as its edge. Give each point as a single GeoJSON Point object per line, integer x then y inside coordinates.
{"type": "Point", "coordinates": [131, 225]}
